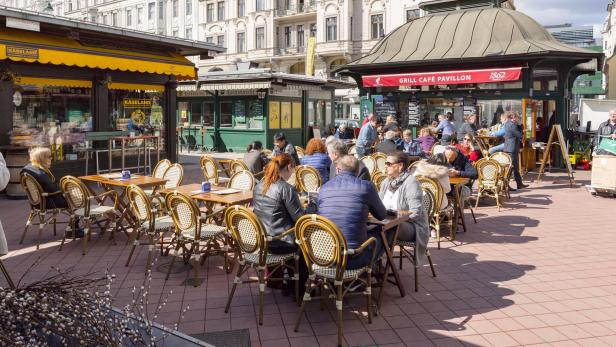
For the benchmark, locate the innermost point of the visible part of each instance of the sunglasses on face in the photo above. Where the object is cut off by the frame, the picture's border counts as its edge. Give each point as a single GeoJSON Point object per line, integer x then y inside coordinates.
{"type": "Point", "coordinates": [389, 163]}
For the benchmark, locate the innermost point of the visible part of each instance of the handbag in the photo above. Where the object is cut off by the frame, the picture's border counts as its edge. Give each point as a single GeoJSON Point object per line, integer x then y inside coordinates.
{"type": "Point", "coordinates": [608, 145]}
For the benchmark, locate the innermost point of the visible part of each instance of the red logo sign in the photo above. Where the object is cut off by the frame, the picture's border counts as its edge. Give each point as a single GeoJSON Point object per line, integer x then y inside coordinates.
{"type": "Point", "coordinates": [448, 77]}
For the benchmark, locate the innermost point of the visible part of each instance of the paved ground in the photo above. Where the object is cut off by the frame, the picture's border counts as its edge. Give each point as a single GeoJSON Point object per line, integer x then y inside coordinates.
{"type": "Point", "coordinates": [540, 272]}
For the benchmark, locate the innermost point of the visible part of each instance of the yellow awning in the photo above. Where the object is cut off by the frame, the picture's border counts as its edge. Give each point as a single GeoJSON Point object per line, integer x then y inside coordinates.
{"type": "Point", "coordinates": [136, 86]}
{"type": "Point", "coordinates": [26, 46]}
{"type": "Point", "coordinates": [52, 82]}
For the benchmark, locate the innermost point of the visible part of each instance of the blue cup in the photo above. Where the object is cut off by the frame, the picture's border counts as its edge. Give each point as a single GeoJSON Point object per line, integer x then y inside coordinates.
{"type": "Point", "coordinates": [206, 186]}
{"type": "Point", "coordinates": [125, 174]}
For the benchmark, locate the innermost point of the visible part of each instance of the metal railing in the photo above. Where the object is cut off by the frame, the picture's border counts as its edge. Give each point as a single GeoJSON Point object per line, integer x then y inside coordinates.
{"type": "Point", "coordinates": [296, 9]}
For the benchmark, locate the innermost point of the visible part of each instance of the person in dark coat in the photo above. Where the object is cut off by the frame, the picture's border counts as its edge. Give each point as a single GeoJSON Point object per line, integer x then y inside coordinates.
{"type": "Point", "coordinates": [468, 127]}
{"type": "Point", "coordinates": [281, 145]}
{"type": "Point", "coordinates": [255, 159]}
{"type": "Point", "coordinates": [459, 165]}
{"type": "Point", "coordinates": [316, 157]}
{"type": "Point", "coordinates": [343, 132]}
{"type": "Point", "coordinates": [513, 139]}
{"type": "Point", "coordinates": [346, 200]}
{"type": "Point", "coordinates": [336, 149]}
{"type": "Point", "coordinates": [388, 145]}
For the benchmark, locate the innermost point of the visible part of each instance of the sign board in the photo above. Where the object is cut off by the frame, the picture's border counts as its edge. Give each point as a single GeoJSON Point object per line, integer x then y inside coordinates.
{"type": "Point", "coordinates": [239, 111]}
{"type": "Point", "coordinates": [22, 52]}
{"type": "Point", "coordinates": [310, 55]}
{"type": "Point", "coordinates": [137, 103]}
{"type": "Point", "coordinates": [297, 114]}
{"type": "Point", "coordinates": [366, 106]}
{"type": "Point", "coordinates": [413, 110]}
{"type": "Point", "coordinates": [23, 24]}
{"type": "Point", "coordinates": [285, 115]}
{"type": "Point", "coordinates": [384, 106]}
{"type": "Point", "coordinates": [443, 78]}
{"type": "Point", "coordinates": [274, 115]}
{"type": "Point", "coordinates": [255, 108]}
{"type": "Point", "coordinates": [557, 131]}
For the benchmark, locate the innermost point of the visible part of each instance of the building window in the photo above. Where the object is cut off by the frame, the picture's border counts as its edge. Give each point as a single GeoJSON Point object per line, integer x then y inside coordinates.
{"type": "Point", "coordinates": [412, 14]}
{"type": "Point", "coordinates": [129, 17]}
{"type": "Point", "coordinates": [105, 19]}
{"type": "Point", "coordinates": [151, 9]}
{"type": "Point", "coordinates": [260, 38]}
{"type": "Point", "coordinates": [221, 10]}
{"type": "Point", "coordinates": [209, 39]}
{"type": "Point", "coordinates": [188, 7]}
{"type": "Point", "coordinates": [241, 8]}
{"type": "Point", "coordinates": [313, 30]}
{"type": "Point", "coordinates": [220, 40]}
{"type": "Point", "coordinates": [188, 33]}
{"type": "Point", "coordinates": [300, 36]}
{"type": "Point", "coordinates": [175, 8]}
{"type": "Point", "coordinates": [331, 29]}
{"type": "Point", "coordinates": [161, 10]}
{"type": "Point", "coordinates": [114, 19]}
{"type": "Point", "coordinates": [241, 43]}
{"type": "Point", "coordinates": [287, 36]}
{"type": "Point", "coordinates": [70, 6]}
{"type": "Point", "coordinates": [174, 33]}
{"type": "Point", "coordinates": [140, 15]}
{"type": "Point", "coordinates": [377, 26]}
{"type": "Point", "coordinates": [209, 12]}
{"type": "Point", "coordinates": [259, 5]}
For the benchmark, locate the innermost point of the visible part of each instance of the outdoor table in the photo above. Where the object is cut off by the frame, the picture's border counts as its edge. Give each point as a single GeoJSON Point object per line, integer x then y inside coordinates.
{"type": "Point", "coordinates": [114, 180]}
{"type": "Point", "coordinates": [458, 206]}
{"type": "Point", "coordinates": [390, 223]}
{"type": "Point", "coordinates": [208, 198]}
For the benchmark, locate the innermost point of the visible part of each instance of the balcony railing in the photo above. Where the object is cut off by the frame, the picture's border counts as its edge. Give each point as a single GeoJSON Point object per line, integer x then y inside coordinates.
{"type": "Point", "coordinates": [289, 50]}
{"type": "Point", "coordinates": [294, 10]}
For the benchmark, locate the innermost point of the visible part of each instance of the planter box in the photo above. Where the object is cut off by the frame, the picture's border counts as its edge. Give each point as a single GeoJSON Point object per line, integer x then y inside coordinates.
{"type": "Point", "coordinates": [604, 172]}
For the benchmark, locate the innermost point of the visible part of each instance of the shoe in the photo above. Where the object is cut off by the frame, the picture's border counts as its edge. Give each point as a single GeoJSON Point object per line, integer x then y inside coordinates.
{"type": "Point", "coordinates": [512, 189]}
{"type": "Point", "coordinates": [522, 186]}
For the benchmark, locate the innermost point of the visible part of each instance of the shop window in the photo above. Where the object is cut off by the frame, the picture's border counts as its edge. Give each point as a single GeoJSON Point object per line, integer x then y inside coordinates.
{"type": "Point", "coordinates": [57, 117]}
{"type": "Point", "coordinates": [139, 111]}
{"type": "Point", "coordinates": [226, 114]}
{"type": "Point", "coordinates": [208, 114]}
{"type": "Point", "coordinates": [489, 111]}
{"type": "Point", "coordinates": [195, 113]}
{"type": "Point", "coordinates": [545, 79]}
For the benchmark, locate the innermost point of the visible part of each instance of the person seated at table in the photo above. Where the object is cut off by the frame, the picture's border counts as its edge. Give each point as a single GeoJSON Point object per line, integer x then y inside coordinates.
{"type": "Point", "coordinates": [388, 145]}
{"type": "Point", "coordinates": [346, 200]}
{"type": "Point", "coordinates": [281, 145]}
{"type": "Point", "coordinates": [336, 149]}
{"type": "Point", "coordinates": [467, 149]}
{"type": "Point", "coordinates": [447, 128]}
{"type": "Point", "coordinates": [400, 191]}
{"type": "Point", "coordinates": [255, 159]}
{"type": "Point", "coordinates": [437, 168]}
{"type": "Point", "coordinates": [468, 127]}
{"type": "Point", "coordinates": [426, 140]}
{"type": "Point", "coordinates": [316, 156]}
{"type": "Point", "coordinates": [500, 133]}
{"type": "Point", "coordinates": [459, 165]}
{"type": "Point", "coordinates": [411, 147]}
{"type": "Point", "coordinates": [40, 162]}
{"type": "Point", "coordinates": [343, 132]}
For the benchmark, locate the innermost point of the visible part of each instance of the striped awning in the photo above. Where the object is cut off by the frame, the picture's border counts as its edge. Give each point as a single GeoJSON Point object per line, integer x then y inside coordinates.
{"type": "Point", "coordinates": [236, 86]}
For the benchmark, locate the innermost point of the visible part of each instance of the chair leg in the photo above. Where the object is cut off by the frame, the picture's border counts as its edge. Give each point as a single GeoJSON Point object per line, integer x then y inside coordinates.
{"type": "Point", "coordinates": [238, 279]}
{"type": "Point", "coordinates": [369, 295]}
{"type": "Point", "coordinates": [69, 227]}
{"type": "Point", "coordinates": [401, 256]}
{"type": "Point", "coordinates": [430, 261]}
{"type": "Point", "coordinates": [416, 270]}
{"type": "Point", "coordinates": [296, 278]}
{"type": "Point", "coordinates": [261, 294]}
{"type": "Point", "coordinates": [339, 309]}
{"type": "Point", "coordinates": [195, 254]}
{"type": "Point", "coordinates": [303, 306]}
{"type": "Point", "coordinates": [135, 242]}
{"type": "Point", "coordinates": [55, 216]}
{"type": "Point", "coordinates": [437, 228]}
{"type": "Point", "coordinates": [498, 200]}
{"type": "Point", "coordinates": [151, 247]}
{"type": "Point", "coordinates": [86, 236]}
{"type": "Point", "coordinates": [173, 256]}
{"type": "Point", "coordinates": [479, 191]}
{"type": "Point", "coordinates": [40, 229]}
{"type": "Point", "coordinates": [28, 222]}
{"type": "Point", "coordinates": [470, 207]}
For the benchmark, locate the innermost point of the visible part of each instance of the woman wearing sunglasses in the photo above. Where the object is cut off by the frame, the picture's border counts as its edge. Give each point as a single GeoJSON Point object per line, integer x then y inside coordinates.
{"type": "Point", "coordinates": [400, 191]}
{"type": "Point", "coordinates": [467, 148]}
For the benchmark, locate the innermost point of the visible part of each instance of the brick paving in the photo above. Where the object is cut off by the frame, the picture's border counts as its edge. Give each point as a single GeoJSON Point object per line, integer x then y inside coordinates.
{"type": "Point", "coordinates": [540, 272]}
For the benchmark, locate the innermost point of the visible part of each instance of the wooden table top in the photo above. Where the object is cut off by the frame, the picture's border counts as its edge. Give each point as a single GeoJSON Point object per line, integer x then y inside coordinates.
{"type": "Point", "coordinates": [459, 180]}
{"type": "Point", "coordinates": [115, 180]}
{"type": "Point", "coordinates": [390, 222]}
{"type": "Point", "coordinates": [194, 191]}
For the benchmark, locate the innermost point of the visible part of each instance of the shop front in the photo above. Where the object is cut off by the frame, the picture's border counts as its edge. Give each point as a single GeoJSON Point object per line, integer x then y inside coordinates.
{"type": "Point", "coordinates": [226, 111]}
{"type": "Point", "coordinates": [71, 85]}
{"type": "Point", "coordinates": [426, 68]}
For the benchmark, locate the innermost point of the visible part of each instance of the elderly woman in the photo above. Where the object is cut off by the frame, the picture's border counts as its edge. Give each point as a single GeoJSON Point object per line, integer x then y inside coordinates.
{"type": "Point", "coordinates": [400, 191]}
{"type": "Point", "coordinates": [40, 162]}
{"type": "Point", "coordinates": [343, 132]}
{"type": "Point", "coordinates": [316, 156]}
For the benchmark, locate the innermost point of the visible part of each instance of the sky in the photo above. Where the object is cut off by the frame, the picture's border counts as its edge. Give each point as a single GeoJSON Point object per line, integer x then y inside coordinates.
{"type": "Point", "coordinates": [576, 12]}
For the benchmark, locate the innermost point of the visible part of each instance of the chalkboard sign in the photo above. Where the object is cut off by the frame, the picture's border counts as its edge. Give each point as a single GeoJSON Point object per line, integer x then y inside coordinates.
{"type": "Point", "coordinates": [255, 108]}
{"type": "Point", "coordinates": [413, 110]}
{"type": "Point", "coordinates": [239, 111]}
{"type": "Point", "coordinates": [384, 107]}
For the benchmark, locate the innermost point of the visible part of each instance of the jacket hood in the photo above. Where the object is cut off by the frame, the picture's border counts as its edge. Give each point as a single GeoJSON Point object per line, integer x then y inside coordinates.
{"type": "Point", "coordinates": [430, 170]}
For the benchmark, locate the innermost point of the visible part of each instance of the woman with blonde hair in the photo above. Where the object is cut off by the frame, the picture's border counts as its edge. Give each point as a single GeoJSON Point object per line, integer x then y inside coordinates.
{"type": "Point", "coordinates": [316, 156]}
{"type": "Point", "coordinates": [426, 139]}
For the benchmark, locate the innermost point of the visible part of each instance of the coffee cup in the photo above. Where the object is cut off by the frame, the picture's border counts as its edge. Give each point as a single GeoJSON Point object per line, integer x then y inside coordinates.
{"type": "Point", "coordinates": [206, 186]}
{"type": "Point", "coordinates": [125, 174]}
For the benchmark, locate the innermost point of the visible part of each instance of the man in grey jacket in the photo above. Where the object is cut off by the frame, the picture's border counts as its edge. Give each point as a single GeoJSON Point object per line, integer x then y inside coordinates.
{"type": "Point", "coordinates": [513, 138]}
{"type": "Point", "coordinates": [607, 129]}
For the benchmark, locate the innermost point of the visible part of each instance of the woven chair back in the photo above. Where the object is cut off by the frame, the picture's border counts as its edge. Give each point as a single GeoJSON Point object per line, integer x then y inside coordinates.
{"type": "Point", "coordinates": [242, 180]}
{"type": "Point", "coordinates": [209, 168]}
{"type": "Point", "coordinates": [433, 186]}
{"type": "Point", "coordinates": [139, 203]}
{"type": "Point", "coordinates": [34, 191]}
{"type": "Point", "coordinates": [378, 178]}
{"type": "Point", "coordinates": [322, 243]}
{"type": "Point", "coordinates": [429, 203]}
{"type": "Point", "coordinates": [246, 229]}
{"type": "Point", "coordinates": [300, 152]}
{"type": "Point", "coordinates": [369, 163]}
{"type": "Point", "coordinates": [414, 165]}
{"type": "Point", "coordinates": [160, 168]}
{"type": "Point", "coordinates": [502, 158]}
{"type": "Point", "coordinates": [185, 214]}
{"type": "Point", "coordinates": [380, 160]}
{"type": "Point", "coordinates": [309, 178]}
{"type": "Point", "coordinates": [237, 165]}
{"type": "Point", "coordinates": [76, 193]}
{"type": "Point", "coordinates": [489, 171]}
{"type": "Point", "coordinates": [174, 176]}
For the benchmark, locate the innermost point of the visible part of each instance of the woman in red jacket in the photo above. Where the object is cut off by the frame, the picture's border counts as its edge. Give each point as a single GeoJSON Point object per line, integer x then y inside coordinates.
{"type": "Point", "coordinates": [467, 148]}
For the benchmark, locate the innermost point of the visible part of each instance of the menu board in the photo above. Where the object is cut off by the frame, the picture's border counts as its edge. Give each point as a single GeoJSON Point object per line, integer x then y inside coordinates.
{"type": "Point", "coordinates": [413, 110]}
{"type": "Point", "coordinates": [274, 115]}
{"type": "Point", "coordinates": [285, 115]}
{"type": "Point", "coordinates": [255, 108]}
{"type": "Point", "coordinates": [239, 111]}
{"type": "Point", "coordinates": [384, 107]}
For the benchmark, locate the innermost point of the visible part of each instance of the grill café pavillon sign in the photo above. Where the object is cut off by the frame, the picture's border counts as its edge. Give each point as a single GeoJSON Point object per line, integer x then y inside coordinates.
{"type": "Point", "coordinates": [441, 78]}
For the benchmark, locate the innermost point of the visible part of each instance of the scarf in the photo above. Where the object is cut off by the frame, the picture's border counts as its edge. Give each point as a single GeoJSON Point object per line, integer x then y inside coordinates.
{"type": "Point", "coordinates": [398, 181]}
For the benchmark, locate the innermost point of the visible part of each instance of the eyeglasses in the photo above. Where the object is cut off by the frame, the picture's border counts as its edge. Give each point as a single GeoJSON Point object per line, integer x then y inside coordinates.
{"type": "Point", "coordinates": [467, 139]}
{"type": "Point", "coordinates": [388, 163]}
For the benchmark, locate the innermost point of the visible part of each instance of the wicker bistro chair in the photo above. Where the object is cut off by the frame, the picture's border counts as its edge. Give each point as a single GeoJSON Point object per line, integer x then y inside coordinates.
{"type": "Point", "coordinates": [191, 229]}
{"type": "Point", "coordinates": [413, 166]}
{"type": "Point", "coordinates": [439, 215]}
{"type": "Point", "coordinates": [325, 251]}
{"type": "Point", "coordinates": [300, 152]}
{"type": "Point", "coordinates": [150, 223]}
{"type": "Point", "coordinates": [465, 197]}
{"type": "Point", "coordinates": [408, 250]}
{"type": "Point", "coordinates": [437, 148]}
{"type": "Point", "coordinates": [489, 180]}
{"type": "Point", "coordinates": [380, 159]}
{"type": "Point", "coordinates": [174, 176]}
{"type": "Point", "coordinates": [506, 163]}
{"type": "Point", "coordinates": [377, 179]}
{"type": "Point", "coordinates": [370, 164]}
{"type": "Point", "coordinates": [308, 179]}
{"type": "Point", "coordinates": [159, 172]}
{"type": "Point", "coordinates": [38, 207]}
{"type": "Point", "coordinates": [237, 165]}
{"type": "Point", "coordinates": [251, 241]}
{"type": "Point", "coordinates": [80, 199]}
{"type": "Point", "coordinates": [242, 180]}
{"type": "Point", "coordinates": [210, 170]}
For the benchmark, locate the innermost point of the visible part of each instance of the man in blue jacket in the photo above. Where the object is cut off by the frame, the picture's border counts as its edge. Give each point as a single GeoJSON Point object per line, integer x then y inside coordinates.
{"type": "Point", "coordinates": [346, 201]}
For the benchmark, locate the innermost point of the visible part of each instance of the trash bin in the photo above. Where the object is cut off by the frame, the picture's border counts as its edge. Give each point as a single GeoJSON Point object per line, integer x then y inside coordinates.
{"type": "Point", "coordinates": [604, 172]}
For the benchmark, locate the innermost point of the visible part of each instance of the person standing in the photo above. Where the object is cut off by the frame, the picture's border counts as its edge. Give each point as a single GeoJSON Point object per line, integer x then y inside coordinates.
{"type": "Point", "coordinates": [368, 135]}
{"type": "Point", "coordinates": [447, 128]}
{"type": "Point", "coordinates": [513, 138]}
{"type": "Point", "coordinates": [468, 127]}
{"type": "Point", "coordinates": [607, 129]}
{"type": "Point", "coordinates": [281, 145]}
